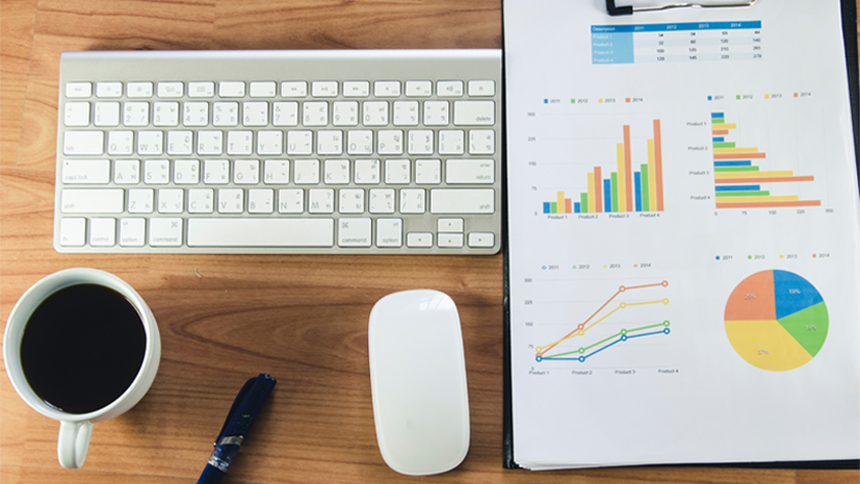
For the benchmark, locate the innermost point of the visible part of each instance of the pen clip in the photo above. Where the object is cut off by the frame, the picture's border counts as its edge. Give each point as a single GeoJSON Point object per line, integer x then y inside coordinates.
{"type": "Point", "coordinates": [616, 10]}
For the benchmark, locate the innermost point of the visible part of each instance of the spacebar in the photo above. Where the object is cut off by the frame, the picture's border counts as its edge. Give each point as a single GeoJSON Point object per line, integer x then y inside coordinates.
{"type": "Point", "coordinates": [260, 232]}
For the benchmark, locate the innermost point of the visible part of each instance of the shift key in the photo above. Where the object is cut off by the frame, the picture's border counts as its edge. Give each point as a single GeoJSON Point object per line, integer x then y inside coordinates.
{"type": "Point", "coordinates": [85, 200]}
{"type": "Point", "coordinates": [462, 200]}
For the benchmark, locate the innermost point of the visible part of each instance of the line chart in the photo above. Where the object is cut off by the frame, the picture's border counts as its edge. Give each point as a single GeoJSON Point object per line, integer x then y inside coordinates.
{"type": "Point", "coordinates": [600, 315]}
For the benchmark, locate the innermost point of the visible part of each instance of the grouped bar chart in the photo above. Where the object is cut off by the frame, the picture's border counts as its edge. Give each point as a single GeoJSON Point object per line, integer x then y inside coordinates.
{"type": "Point", "coordinates": [776, 320]}
{"type": "Point", "coordinates": [739, 179]}
{"type": "Point", "coordinates": [559, 350]}
{"type": "Point", "coordinates": [627, 189]}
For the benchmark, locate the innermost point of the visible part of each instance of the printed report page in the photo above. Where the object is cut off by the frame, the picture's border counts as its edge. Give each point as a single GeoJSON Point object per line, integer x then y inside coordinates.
{"type": "Point", "coordinates": [684, 255]}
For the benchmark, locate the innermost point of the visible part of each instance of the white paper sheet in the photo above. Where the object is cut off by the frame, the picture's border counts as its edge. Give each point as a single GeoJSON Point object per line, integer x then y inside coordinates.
{"type": "Point", "coordinates": [709, 312]}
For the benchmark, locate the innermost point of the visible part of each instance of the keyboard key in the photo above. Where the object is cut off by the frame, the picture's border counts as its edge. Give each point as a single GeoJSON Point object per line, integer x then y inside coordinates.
{"type": "Point", "coordinates": [138, 89]}
{"type": "Point", "coordinates": [201, 89]}
{"type": "Point", "coordinates": [285, 113]}
{"type": "Point", "coordinates": [165, 232]}
{"type": "Point", "coordinates": [405, 113]}
{"type": "Point", "coordinates": [135, 113]}
{"type": "Point", "coordinates": [436, 113]}
{"type": "Point", "coordinates": [179, 142]}
{"type": "Point", "coordinates": [294, 89]}
{"type": "Point", "coordinates": [482, 239]}
{"type": "Point", "coordinates": [412, 200]}
{"type": "Point", "coordinates": [428, 172]}
{"type": "Point", "coordinates": [260, 200]}
{"type": "Point", "coordinates": [419, 240]}
{"type": "Point", "coordinates": [315, 113]}
{"type": "Point", "coordinates": [165, 113]}
{"type": "Point", "coordinates": [350, 200]}
{"type": "Point", "coordinates": [449, 88]}
{"type": "Point", "coordinates": [170, 200]}
{"type": "Point", "coordinates": [482, 88]}
{"type": "Point", "coordinates": [450, 241]}
{"type": "Point", "coordinates": [225, 114]}
{"type": "Point", "coordinates": [150, 142]}
{"type": "Point", "coordinates": [169, 89]}
{"type": "Point", "coordinates": [102, 232]}
{"type": "Point", "coordinates": [186, 172]}
{"type": "Point", "coordinates": [201, 200]}
{"type": "Point", "coordinates": [276, 172]}
{"type": "Point", "coordinates": [216, 172]}
{"type": "Point", "coordinates": [375, 113]}
{"type": "Point", "coordinates": [87, 200]}
{"type": "Point", "coordinates": [83, 142]}
{"type": "Point", "coordinates": [470, 171]}
{"type": "Point", "coordinates": [132, 232]}
{"type": "Point", "coordinates": [79, 90]}
{"type": "Point", "coordinates": [72, 232]}
{"type": "Point", "coordinates": [353, 232]}
{"type": "Point", "coordinates": [231, 89]}
{"type": "Point", "coordinates": [77, 114]}
{"type": "Point", "coordinates": [386, 88]}
{"type": "Point", "coordinates": [195, 113]}
{"type": "Point", "coordinates": [141, 200]}
{"type": "Point", "coordinates": [356, 88]}
{"type": "Point", "coordinates": [255, 113]}
{"type": "Point", "coordinates": [109, 90]}
{"type": "Point", "coordinates": [120, 142]}
{"type": "Point", "coordinates": [210, 143]}
{"type": "Point", "coordinates": [86, 171]}
{"type": "Point", "coordinates": [324, 89]}
{"type": "Point", "coordinates": [450, 225]}
{"type": "Point", "coordinates": [261, 232]}
{"type": "Point", "coordinates": [156, 172]}
{"type": "Point", "coordinates": [419, 88]}
{"type": "Point", "coordinates": [306, 172]}
{"type": "Point", "coordinates": [474, 113]}
{"type": "Point", "coordinates": [231, 200]}
{"type": "Point", "coordinates": [246, 172]}
{"type": "Point", "coordinates": [126, 172]}
{"type": "Point", "coordinates": [291, 200]}
{"type": "Point", "coordinates": [263, 89]}
{"type": "Point", "coordinates": [106, 114]}
{"type": "Point", "coordinates": [320, 200]}
{"type": "Point", "coordinates": [462, 201]}
{"type": "Point", "coordinates": [389, 232]}
{"type": "Point", "coordinates": [482, 142]}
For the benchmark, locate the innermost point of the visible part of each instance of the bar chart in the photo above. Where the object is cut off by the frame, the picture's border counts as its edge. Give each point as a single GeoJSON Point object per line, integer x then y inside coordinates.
{"type": "Point", "coordinates": [629, 188]}
{"type": "Point", "coordinates": [739, 177]}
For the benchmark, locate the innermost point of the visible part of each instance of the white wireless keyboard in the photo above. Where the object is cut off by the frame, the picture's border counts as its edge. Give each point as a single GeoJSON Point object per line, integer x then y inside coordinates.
{"type": "Point", "coordinates": [329, 152]}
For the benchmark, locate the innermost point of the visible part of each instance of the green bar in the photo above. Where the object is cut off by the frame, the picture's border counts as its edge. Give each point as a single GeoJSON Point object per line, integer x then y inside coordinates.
{"type": "Point", "coordinates": [724, 144]}
{"type": "Point", "coordinates": [734, 169]}
{"type": "Point", "coordinates": [718, 120]}
{"type": "Point", "coordinates": [760, 193]}
{"type": "Point", "coordinates": [583, 202]}
{"type": "Point", "coordinates": [614, 192]}
{"type": "Point", "coordinates": [646, 202]}
{"type": "Point", "coordinates": [553, 207]}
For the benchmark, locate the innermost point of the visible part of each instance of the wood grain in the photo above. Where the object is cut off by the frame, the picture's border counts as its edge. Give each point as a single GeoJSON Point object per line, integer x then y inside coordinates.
{"type": "Point", "coordinates": [226, 318]}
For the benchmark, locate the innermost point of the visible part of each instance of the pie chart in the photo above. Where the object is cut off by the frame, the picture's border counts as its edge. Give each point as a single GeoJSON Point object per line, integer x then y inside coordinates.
{"type": "Point", "coordinates": [776, 320]}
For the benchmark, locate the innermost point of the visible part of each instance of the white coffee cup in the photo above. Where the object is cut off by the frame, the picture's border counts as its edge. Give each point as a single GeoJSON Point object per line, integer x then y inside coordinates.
{"type": "Point", "coordinates": [75, 429]}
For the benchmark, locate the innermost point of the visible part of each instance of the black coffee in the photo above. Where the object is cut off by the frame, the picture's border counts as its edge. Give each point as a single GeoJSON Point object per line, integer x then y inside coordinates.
{"type": "Point", "coordinates": [82, 347]}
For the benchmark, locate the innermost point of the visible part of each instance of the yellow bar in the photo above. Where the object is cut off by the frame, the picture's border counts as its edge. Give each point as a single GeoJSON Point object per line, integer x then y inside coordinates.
{"type": "Point", "coordinates": [561, 208]}
{"type": "Point", "coordinates": [591, 207]}
{"type": "Point", "coordinates": [622, 192]}
{"type": "Point", "coordinates": [735, 150]}
{"type": "Point", "coordinates": [724, 126]}
{"type": "Point", "coordinates": [787, 198]}
{"type": "Point", "coordinates": [754, 174]}
{"type": "Point", "coordinates": [652, 179]}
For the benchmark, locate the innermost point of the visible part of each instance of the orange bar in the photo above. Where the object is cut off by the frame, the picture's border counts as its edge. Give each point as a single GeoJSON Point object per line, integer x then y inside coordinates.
{"type": "Point", "coordinates": [718, 132]}
{"type": "Point", "coordinates": [568, 206]}
{"type": "Point", "coordinates": [628, 170]}
{"type": "Point", "coordinates": [800, 203]}
{"type": "Point", "coordinates": [658, 165]}
{"type": "Point", "coordinates": [738, 156]}
{"type": "Point", "coordinates": [762, 180]}
{"type": "Point", "coordinates": [598, 192]}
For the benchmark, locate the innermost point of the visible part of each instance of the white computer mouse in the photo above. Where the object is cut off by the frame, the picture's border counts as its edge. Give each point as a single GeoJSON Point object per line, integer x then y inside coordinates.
{"type": "Point", "coordinates": [418, 382]}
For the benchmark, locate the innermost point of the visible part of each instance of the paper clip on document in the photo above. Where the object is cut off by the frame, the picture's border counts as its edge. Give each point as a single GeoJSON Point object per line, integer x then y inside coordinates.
{"type": "Point", "coordinates": [615, 10]}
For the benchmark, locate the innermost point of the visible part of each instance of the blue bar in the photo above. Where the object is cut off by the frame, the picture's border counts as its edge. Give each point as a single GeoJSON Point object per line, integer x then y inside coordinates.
{"type": "Point", "coordinates": [546, 208]}
{"type": "Point", "coordinates": [719, 139]}
{"type": "Point", "coordinates": [637, 184]}
{"type": "Point", "coordinates": [718, 115]}
{"type": "Point", "coordinates": [739, 188]}
{"type": "Point", "coordinates": [577, 207]}
{"type": "Point", "coordinates": [607, 195]}
{"type": "Point", "coordinates": [676, 26]}
{"type": "Point", "coordinates": [733, 163]}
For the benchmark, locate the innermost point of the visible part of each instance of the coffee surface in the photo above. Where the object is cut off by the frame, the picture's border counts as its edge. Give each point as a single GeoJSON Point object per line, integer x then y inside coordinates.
{"type": "Point", "coordinates": [82, 348]}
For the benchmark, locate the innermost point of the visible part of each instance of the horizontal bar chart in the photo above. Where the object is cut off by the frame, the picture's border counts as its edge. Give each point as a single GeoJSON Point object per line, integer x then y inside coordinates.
{"type": "Point", "coordinates": [738, 177]}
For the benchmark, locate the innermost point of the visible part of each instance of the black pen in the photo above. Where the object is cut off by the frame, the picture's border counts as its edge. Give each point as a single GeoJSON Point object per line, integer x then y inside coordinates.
{"type": "Point", "coordinates": [242, 414]}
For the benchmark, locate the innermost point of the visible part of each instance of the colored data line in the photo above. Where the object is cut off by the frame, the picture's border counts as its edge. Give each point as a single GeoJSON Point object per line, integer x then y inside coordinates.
{"type": "Point", "coordinates": [588, 324]}
{"type": "Point", "coordinates": [623, 335]}
{"type": "Point", "coordinates": [738, 178]}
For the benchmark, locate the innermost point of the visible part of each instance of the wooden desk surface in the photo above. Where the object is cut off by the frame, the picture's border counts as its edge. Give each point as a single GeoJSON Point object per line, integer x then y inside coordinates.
{"type": "Point", "coordinates": [224, 319]}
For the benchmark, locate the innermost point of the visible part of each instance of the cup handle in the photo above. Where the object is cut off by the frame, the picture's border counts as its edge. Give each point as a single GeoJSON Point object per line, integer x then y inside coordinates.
{"type": "Point", "coordinates": [73, 442]}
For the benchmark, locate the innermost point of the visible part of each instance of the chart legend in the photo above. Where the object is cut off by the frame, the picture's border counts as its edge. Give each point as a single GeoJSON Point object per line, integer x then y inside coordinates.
{"type": "Point", "coordinates": [739, 179]}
